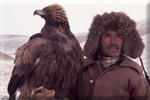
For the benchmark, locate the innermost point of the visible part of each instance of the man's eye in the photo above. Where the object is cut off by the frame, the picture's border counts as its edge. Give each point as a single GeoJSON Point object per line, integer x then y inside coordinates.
{"type": "Point", "coordinates": [107, 35]}
{"type": "Point", "coordinates": [118, 35]}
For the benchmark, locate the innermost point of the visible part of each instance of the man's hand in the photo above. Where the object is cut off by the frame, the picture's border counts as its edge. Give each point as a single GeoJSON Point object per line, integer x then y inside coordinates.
{"type": "Point", "coordinates": [42, 93]}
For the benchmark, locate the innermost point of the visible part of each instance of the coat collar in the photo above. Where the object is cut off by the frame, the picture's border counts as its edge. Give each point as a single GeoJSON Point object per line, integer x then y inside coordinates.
{"type": "Point", "coordinates": [88, 61]}
{"type": "Point", "coordinates": [127, 62]}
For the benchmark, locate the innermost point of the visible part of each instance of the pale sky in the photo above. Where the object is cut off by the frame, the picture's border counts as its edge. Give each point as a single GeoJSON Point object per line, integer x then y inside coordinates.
{"type": "Point", "coordinates": [16, 16]}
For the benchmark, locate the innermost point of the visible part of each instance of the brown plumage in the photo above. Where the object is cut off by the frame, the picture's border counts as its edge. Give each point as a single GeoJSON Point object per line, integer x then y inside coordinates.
{"type": "Point", "coordinates": [51, 59]}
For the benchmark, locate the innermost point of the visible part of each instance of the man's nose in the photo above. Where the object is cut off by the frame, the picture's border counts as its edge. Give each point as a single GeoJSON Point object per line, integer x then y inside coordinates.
{"type": "Point", "coordinates": [113, 41]}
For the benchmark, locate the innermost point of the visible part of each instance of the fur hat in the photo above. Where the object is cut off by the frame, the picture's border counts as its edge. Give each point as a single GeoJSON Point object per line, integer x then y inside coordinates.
{"type": "Point", "coordinates": [122, 24]}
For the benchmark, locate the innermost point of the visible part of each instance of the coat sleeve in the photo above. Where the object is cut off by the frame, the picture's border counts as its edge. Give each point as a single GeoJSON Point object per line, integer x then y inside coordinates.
{"type": "Point", "coordinates": [139, 88]}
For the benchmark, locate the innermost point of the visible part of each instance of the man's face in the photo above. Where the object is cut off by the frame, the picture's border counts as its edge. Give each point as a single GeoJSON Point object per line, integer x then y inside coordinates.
{"type": "Point", "coordinates": [111, 44]}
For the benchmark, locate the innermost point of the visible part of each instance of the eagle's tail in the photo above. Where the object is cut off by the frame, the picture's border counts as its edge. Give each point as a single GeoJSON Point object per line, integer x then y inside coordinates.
{"type": "Point", "coordinates": [15, 83]}
{"type": "Point", "coordinates": [12, 97]}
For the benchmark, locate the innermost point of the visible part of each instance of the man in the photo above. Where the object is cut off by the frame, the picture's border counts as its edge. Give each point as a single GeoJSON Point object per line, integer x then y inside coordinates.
{"type": "Point", "coordinates": [108, 72]}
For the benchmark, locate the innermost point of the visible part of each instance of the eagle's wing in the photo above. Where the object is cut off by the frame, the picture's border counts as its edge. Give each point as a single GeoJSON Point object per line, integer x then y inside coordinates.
{"type": "Point", "coordinates": [27, 56]}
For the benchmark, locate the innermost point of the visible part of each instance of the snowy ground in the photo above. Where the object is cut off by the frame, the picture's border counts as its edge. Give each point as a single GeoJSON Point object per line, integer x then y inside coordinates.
{"type": "Point", "coordinates": [5, 73]}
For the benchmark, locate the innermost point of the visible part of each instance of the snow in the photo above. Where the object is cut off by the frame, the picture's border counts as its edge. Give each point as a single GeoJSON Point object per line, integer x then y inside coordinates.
{"type": "Point", "coordinates": [5, 73]}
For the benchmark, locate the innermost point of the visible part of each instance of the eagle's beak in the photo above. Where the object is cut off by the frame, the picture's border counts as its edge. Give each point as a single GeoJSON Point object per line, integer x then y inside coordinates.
{"type": "Point", "coordinates": [39, 12]}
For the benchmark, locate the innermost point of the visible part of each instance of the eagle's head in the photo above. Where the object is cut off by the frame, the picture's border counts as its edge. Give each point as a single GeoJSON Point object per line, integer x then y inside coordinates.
{"type": "Point", "coordinates": [53, 14]}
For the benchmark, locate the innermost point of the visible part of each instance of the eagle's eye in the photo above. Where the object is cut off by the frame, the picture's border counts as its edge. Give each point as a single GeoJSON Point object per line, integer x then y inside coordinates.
{"type": "Point", "coordinates": [47, 11]}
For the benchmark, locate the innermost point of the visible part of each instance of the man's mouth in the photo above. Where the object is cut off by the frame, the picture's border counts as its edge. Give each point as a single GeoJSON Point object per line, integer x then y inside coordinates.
{"type": "Point", "coordinates": [113, 47]}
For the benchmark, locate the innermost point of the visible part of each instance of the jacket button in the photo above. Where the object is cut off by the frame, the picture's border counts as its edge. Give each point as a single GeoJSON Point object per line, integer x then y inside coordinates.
{"type": "Point", "coordinates": [91, 81]}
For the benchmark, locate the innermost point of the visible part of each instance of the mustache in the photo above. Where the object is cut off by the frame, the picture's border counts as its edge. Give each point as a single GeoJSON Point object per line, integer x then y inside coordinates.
{"type": "Point", "coordinates": [113, 45]}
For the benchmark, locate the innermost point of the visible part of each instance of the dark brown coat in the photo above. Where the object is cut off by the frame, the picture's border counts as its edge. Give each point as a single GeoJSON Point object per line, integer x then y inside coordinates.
{"type": "Point", "coordinates": [124, 81]}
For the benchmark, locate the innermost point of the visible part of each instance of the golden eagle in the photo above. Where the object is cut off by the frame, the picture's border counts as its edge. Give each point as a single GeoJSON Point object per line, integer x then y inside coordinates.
{"type": "Point", "coordinates": [51, 59]}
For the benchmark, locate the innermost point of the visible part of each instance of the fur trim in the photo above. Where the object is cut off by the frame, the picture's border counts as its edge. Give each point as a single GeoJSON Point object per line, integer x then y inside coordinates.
{"type": "Point", "coordinates": [122, 24]}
